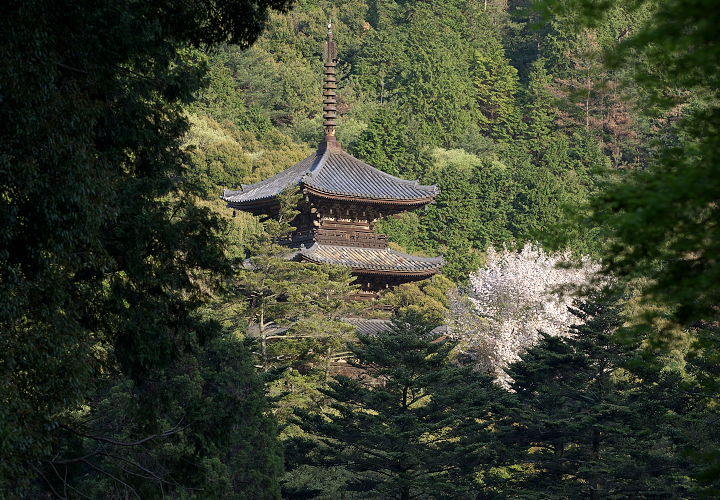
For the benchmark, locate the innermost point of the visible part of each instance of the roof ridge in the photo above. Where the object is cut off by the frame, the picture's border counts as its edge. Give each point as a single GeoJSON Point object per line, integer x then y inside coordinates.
{"type": "Point", "coordinates": [318, 164]}
{"type": "Point", "coordinates": [415, 183]}
{"type": "Point", "coordinates": [331, 171]}
{"type": "Point", "coordinates": [287, 177]}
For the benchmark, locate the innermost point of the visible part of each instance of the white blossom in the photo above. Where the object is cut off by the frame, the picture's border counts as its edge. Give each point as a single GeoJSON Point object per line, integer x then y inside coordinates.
{"type": "Point", "coordinates": [514, 297]}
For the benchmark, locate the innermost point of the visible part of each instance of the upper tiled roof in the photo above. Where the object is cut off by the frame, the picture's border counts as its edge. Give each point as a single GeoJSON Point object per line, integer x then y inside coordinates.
{"type": "Point", "coordinates": [330, 171]}
{"type": "Point", "coordinates": [371, 259]}
{"type": "Point", "coordinates": [269, 188]}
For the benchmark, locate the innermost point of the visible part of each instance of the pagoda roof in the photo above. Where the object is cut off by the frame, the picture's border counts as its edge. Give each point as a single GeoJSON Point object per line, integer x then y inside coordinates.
{"type": "Point", "coordinates": [330, 172]}
{"type": "Point", "coordinates": [372, 260]}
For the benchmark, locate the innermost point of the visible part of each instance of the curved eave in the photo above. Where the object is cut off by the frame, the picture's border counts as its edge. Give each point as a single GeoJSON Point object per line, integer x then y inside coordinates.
{"type": "Point", "coordinates": [380, 201]}
{"type": "Point", "coordinates": [376, 272]}
{"type": "Point", "coordinates": [259, 205]}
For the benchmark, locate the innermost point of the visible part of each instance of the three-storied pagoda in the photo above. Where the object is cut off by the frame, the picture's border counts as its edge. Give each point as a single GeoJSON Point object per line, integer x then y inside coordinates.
{"type": "Point", "coordinates": [344, 197]}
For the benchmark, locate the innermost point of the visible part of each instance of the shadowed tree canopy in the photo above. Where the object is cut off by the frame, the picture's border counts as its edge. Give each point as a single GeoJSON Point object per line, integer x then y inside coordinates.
{"type": "Point", "coordinates": [583, 426]}
{"type": "Point", "coordinates": [104, 254]}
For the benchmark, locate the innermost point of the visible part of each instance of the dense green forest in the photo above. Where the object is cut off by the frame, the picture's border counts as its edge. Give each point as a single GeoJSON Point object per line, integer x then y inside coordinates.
{"type": "Point", "coordinates": [154, 343]}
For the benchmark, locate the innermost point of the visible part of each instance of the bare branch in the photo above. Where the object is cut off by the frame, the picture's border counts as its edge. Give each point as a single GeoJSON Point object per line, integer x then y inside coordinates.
{"type": "Point", "coordinates": [47, 482]}
{"type": "Point", "coordinates": [174, 430]}
{"type": "Point", "coordinates": [149, 473]}
{"type": "Point", "coordinates": [116, 479]}
{"type": "Point", "coordinates": [66, 461]}
{"type": "Point", "coordinates": [67, 485]}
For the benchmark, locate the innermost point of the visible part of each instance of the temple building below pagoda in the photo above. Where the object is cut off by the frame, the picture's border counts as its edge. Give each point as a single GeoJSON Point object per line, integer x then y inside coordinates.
{"type": "Point", "coordinates": [344, 198]}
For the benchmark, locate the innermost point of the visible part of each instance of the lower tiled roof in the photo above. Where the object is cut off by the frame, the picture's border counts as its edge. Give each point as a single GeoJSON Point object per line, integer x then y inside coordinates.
{"type": "Point", "coordinates": [371, 259]}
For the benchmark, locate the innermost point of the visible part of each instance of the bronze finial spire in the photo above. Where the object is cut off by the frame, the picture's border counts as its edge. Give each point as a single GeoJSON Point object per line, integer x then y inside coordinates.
{"type": "Point", "coordinates": [330, 86]}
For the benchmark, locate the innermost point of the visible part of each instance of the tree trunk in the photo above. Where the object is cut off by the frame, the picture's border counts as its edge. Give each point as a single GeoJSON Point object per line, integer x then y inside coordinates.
{"type": "Point", "coordinates": [263, 338]}
{"type": "Point", "coordinates": [587, 113]}
{"type": "Point", "coordinates": [595, 483]}
{"type": "Point", "coordinates": [327, 364]}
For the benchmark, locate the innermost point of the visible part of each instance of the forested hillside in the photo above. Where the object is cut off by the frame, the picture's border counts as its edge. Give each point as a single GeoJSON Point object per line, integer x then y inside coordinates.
{"type": "Point", "coordinates": [513, 124]}
{"type": "Point", "coordinates": [155, 343]}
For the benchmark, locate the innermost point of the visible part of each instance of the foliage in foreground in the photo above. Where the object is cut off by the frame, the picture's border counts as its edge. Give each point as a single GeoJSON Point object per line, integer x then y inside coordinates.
{"type": "Point", "coordinates": [587, 417]}
{"type": "Point", "coordinates": [668, 213]}
{"type": "Point", "coordinates": [105, 255]}
{"type": "Point", "coordinates": [415, 425]}
{"type": "Point", "coordinates": [662, 221]}
{"type": "Point", "coordinates": [208, 433]}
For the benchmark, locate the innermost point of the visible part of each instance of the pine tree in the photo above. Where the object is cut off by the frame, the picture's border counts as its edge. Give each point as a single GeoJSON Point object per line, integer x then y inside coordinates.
{"type": "Point", "coordinates": [415, 425]}
{"type": "Point", "coordinates": [293, 310]}
{"type": "Point", "coordinates": [585, 427]}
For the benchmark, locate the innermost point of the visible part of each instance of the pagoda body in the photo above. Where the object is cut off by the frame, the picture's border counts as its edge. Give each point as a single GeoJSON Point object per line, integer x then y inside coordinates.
{"type": "Point", "coordinates": [344, 197]}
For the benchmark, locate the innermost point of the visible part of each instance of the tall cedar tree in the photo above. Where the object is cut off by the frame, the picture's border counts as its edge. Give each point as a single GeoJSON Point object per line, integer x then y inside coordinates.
{"type": "Point", "coordinates": [103, 250]}
{"type": "Point", "coordinates": [584, 427]}
{"type": "Point", "coordinates": [416, 425]}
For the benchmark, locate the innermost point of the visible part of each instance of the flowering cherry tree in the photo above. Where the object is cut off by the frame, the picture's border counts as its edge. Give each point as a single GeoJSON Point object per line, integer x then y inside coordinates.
{"type": "Point", "coordinates": [512, 299]}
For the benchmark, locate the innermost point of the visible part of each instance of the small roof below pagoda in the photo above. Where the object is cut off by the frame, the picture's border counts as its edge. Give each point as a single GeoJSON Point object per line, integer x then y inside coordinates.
{"type": "Point", "coordinates": [330, 172]}
{"type": "Point", "coordinates": [366, 326]}
{"type": "Point", "coordinates": [372, 260]}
